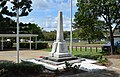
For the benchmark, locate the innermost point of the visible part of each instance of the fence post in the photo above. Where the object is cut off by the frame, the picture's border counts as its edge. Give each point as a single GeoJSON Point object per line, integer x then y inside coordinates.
{"type": "Point", "coordinates": [85, 48]}
{"type": "Point", "coordinates": [76, 48]}
{"type": "Point", "coordinates": [101, 49]}
{"type": "Point", "coordinates": [96, 49]}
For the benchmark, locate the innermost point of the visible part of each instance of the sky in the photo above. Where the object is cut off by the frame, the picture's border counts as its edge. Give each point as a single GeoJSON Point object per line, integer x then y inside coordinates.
{"type": "Point", "coordinates": [45, 13]}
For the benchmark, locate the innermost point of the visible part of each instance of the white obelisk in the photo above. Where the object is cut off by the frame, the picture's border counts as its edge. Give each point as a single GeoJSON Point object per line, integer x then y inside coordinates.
{"type": "Point", "coordinates": [59, 49]}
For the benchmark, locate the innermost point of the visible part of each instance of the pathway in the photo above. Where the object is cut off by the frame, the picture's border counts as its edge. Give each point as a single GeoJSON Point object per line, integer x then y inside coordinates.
{"type": "Point", "coordinates": [115, 66]}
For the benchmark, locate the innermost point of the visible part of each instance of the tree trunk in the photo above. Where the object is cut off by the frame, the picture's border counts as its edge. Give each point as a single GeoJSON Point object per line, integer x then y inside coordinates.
{"type": "Point", "coordinates": [89, 42]}
{"type": "Point", "coordinates": [112, 40]}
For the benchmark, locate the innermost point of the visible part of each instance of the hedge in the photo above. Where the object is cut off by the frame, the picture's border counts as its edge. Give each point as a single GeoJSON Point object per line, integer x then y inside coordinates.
{"type": "Point", "coordinates": [40, 45]}
{"type": "Point", "coordinates": [94, 56]}
{"type": "Point", "coordinates": [7, 44]}
{"type": "Point", "coordinates": [8, 69]}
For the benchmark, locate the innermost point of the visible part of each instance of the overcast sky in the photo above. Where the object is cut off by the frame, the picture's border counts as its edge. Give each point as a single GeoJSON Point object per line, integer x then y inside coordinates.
{"type": "Point", "coordinates": [45, 13]}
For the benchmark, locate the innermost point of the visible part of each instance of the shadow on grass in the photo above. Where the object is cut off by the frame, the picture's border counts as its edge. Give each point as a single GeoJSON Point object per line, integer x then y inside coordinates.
{"type": "Point", "coordinates": [104, 73]}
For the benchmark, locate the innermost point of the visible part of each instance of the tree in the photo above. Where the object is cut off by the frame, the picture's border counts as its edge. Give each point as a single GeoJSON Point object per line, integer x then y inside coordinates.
{"type": "Point", "coordinates": [66, 34]}
{"type": "Point", "coordinates": [7, 24]}
{"type": "Point", "coordinates": [90, 32]}
{"type": "Point", "coordinates": [108, 10]}
{"type": "Point", "coordinates": [31, 29]}
{"type": "Point", "coordinates": [86, 24]}
{"type": "Point", "coordinates": [23, 5]}
{"type": "Point", "coordinates": [49, 36]}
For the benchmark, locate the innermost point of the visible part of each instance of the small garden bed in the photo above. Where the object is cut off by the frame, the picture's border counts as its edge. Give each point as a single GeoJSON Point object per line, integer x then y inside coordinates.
{"type": "Point", "coordinates": [113, 56]}
{"type": "Point", "coordinates": [107, 64]}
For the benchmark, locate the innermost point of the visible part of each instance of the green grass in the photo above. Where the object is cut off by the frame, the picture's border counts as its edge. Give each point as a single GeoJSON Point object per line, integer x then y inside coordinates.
{"type": "Point", "coordinates": [87, 52]}
{"type": "Point", "coordinates": [83, 52]}
{"type": "Point", "coordinates": [82, 43]}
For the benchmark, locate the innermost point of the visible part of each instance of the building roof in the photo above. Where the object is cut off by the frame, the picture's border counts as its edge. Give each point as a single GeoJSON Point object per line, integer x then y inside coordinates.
{"type": "Point", "coordinates": [20, 35]}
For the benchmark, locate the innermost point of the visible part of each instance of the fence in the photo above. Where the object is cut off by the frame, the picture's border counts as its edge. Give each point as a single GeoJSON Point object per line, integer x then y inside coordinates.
{"type": "Point", "coordinates": [85, 48]}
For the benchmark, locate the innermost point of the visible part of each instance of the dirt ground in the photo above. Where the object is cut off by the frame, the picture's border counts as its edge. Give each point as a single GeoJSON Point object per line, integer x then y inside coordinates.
{"type": "Point", "coordinates": [23, 54]}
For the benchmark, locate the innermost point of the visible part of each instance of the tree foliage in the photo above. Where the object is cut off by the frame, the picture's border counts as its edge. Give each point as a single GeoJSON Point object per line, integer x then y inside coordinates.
{"type": "Point", "coordinates": [89, 11]}
{"type": "Point", "coordinates": [49, 36]}
{"type": "Point", "coordinates": [7, 26]}
{"type": "Point", "coordinates": [31, 29]}
{"type": "Point", "coordinates": [24, 6]}
{"type": "Point", "coordinates": [87, 24]}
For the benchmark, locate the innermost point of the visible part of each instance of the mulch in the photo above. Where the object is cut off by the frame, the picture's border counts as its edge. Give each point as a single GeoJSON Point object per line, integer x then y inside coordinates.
{"type": "Point", "coordinates": [109, 63]}
{"type": "Point", "coordinates": [113, 56]}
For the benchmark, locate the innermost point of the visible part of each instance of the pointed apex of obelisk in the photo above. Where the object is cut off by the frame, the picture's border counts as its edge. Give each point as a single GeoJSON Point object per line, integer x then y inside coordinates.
{"type": "Point", "coordinates": [59, 11]}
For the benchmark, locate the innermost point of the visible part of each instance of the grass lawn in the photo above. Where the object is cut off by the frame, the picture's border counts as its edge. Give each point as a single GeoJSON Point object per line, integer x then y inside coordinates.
{"type": "Point", "coordinates": [87, 52]}
{"type": "Point", "coordinates": [79, 44]}
{"type": "Point", "coordinates": [83, 52]}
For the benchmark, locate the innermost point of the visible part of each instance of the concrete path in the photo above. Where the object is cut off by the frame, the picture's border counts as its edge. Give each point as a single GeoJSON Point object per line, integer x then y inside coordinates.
{"type": "Point", "coordinates": [115, 66]}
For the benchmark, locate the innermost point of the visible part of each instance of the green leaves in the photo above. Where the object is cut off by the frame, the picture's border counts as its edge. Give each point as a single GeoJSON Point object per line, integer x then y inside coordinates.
{"type": "Point", "coordinates": [89, 14]}
{"type": "Point", "coordinates": [23, 5]}
{"type": "Point", "coordinates": [3, 3]}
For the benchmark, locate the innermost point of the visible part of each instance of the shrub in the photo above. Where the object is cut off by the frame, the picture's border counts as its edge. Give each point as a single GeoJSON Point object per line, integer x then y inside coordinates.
{"type": "Point", "coordinates": [118, 51]}
{"type": "Point", "coordinates": [102, 59]}
{"type": "Point", "coordinates": [40, 45]}
{"type": "Point", "coordinates": [7, 44]}
{"type": "Point", "coordinates": [89, 56]}
{"type": "Point", "coordinates": [69, 67]}
{"type": "Point", "coordinates": [22, 70]}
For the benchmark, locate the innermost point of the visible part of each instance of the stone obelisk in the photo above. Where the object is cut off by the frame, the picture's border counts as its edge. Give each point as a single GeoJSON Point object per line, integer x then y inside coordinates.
{"type": "Point", "coordinates": [59, 48]}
